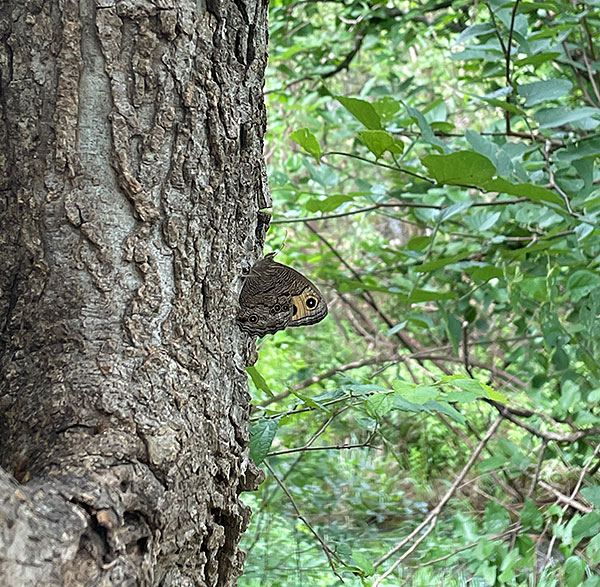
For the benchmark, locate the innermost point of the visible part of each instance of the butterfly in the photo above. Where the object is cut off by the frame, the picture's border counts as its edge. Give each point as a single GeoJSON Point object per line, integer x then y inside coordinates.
{"type": "Point", "coordinates": [275, 296]}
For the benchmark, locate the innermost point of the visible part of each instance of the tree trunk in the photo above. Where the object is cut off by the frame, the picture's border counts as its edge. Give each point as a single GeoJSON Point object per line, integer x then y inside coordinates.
{"type": "Point", "coordinates": [131, 179]}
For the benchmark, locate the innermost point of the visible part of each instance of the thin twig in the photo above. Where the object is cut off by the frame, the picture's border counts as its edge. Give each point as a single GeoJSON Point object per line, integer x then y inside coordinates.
{"type": "Point", "coordinates": [509, 48]}
{"type": "Point", "coordinates": [591, 75]}
{"type": "Point", "coordinates": [508, 75]}
{"type": "Point", "coordinates": [322, 429]}
{"type": "Point", "coordinates": [465, 348]}
{"type": "Point", "coordinates": [328, 552]}
{"type": "Point", "coordinates": [345, 63]}
{"type": "Point", "coordinates": [553, 184]}
{"type": "Point", "coordinates": [514, 527]}
{"type": "Point", "coordinates": [573, 494]}
{"type": "Point", "coordinates": [451, 359]}
{"type": "Point", "coordinates": [570, 438]}
{"type": "Point", "coordinates": [580, 79]}
{"type": "Point", "coordinates": [538, 467]}
{"type": "Point", "coordinates": [365, 444]}
{"type": "Point", "coordinates": [365, 294]}
{"type": "Point", "coordinates": [402, 204]}
{"type": "Point", "coordinates": [380, 164]}
{"type": "Point", "coordinates": [562, 498]}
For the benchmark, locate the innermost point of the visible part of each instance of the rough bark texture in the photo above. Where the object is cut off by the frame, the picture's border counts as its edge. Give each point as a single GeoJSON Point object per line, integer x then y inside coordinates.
{"type": "Point", "coordinates": [131, 179]}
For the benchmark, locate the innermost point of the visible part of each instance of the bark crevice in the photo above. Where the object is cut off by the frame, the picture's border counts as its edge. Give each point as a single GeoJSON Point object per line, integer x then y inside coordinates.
{"type": "Point", "coordinates": [125, 228]}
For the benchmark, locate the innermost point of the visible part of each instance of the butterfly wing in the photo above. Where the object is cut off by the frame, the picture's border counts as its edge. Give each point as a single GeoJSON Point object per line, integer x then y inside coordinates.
{"type": "Point", "coordinates": [308, 304]}
{"type": "Point", "coordinates": [275, 296]}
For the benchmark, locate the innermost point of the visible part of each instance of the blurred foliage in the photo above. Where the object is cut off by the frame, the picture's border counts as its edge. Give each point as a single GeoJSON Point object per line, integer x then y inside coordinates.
{"type": "Point", "coordinates": [433, 169]}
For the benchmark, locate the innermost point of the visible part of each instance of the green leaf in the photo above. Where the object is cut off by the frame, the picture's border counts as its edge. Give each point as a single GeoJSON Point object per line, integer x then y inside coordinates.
{"type": "Point", "coordinates": [530, 516]}
{"type": "Point", "coordinates": [492, 463]}
{"type": "Point", "coordinates": [592, 494]}
{"type": "Point", "coordinates": [537, 92]}
{"type": "Point", "coordinates": [424, 295]}
{"type": "Point", "coordinates": [581, 283]}
{"type": "Point", "coordinates": [495, 395]}
{"type": "Point", "coordinates": [379, 405]}
{"type": "Point", "coordinates": [466, 527]}
{"type": "Point", "coordinates": [487, 572]}
{"type": "Point", "coordinates": [405, 406]}
{"type": "Point", "coordinates": [380, 141]}
{"type": "Point", "coordinates": [403, 387]}
{"type": "Point", "coordinates": [416, 395]}
{"type": "Point", "coordinates": [475, 30]}
{"type": "Point", "coordinates": [489, 149]}
{"type": "Point", "coordinates": [424, 393]}
{"type": "Point", "coordinates": [328, 204]}
{"type": "Point", "coordinates": [526, 547]}
{"type": "Point", "coordinates": [358, 389]}
{"type": "Point", "coordinates": [309, 401]}
{"type": "Point", "coordinates": [553, 117]}
{"type": "Point", "coordinates": [262, 434]}
{"type": "Point", "coordinates": [587, 525]}
{"type": "Point", "coordinates": [495, 518]}
{"type": "Point", "coordinates": [538, 58]}
{"type": "Point", "coordinates": [471, 168]}
{"type": "Point", "coordinates": [583, 230]}
{"type": "Point", "coordinates": [461, 397]}
{"type": "Point", "coordinates": [479, 54]}
{"type": "Point", "coordinates": [308, 142]}
{"type": "Point", "coordinates": [363, 111]}
{"type": "Point", "coordinates": [508, 106]}
{"type": "Point", "coordinates": [574, 571]}
{"type": "Point", "coordinates": [560, 359]}
{"type": "Point", "coordinates": [449, 378]}
{"type": "Point", "coordinates": [453, 210]}
{"type": "Point", "coordinates": [454, 329]}
{"type": "Point", "coordinates": [593, 550]}
{"type": "Point", "coordinates": [479, 389]}
{"type": "Point", "coordinates": [507, 567]}
{"type": "Point", "coordinates": [471, 385]}
{"type": "Point", "coordinates": [397, 328]}
{"type": "Point", "coordinates": [523, 190]}
{"type": "Point", "coordinates": [363, 563]}
{"type": "Point", "coordinates": [386, 108]}
{"type": "Point", "coordinates": [418, 243]}
{"type": "Point", "coordinates": [462, 167]}
{"type": "Point", "coordinates": [483, 220]}
{"type": "Point", "coordinates": [259, 380]}
{"type": "Point", "coordinates": [442, 262]}
{"type": "Point", "coordinates": [484, 273]}
{"type": "Point", "coordinates": [426, 131]}
{"type": "Point", "coordinates": [445, 408]}
{"type": "Point", "coordinates": [584, 149]}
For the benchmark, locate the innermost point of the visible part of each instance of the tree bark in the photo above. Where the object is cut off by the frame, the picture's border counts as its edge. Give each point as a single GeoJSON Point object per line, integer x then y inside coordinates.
{"type": "Point", "coordinates": [131, 183]}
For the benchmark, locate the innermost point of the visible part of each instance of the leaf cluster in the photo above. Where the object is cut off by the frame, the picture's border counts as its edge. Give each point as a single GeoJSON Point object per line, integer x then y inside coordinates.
{"type": "Point", "coordinates": [434, 170]}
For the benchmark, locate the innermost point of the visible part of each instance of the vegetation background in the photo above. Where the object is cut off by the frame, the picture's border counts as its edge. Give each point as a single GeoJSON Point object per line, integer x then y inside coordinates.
{"type": "Point", "coordinates": [433, 168]}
